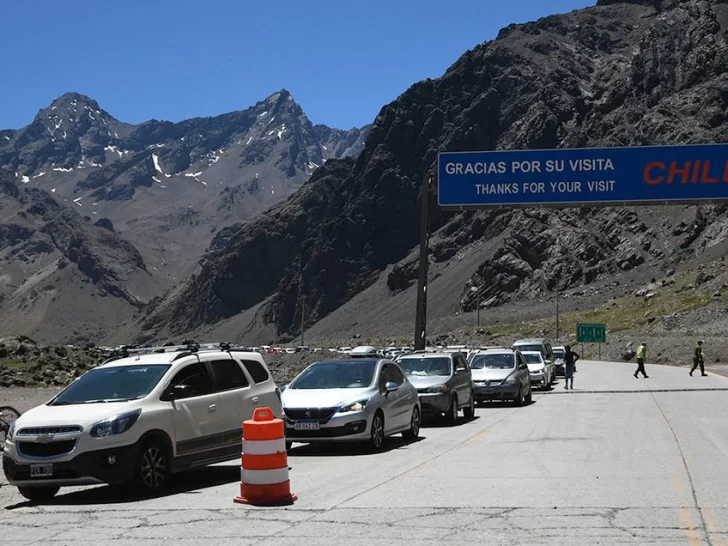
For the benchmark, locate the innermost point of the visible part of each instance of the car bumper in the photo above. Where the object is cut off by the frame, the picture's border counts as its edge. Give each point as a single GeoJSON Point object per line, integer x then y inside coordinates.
{"type": "Point", "coordinates": [538, 379]}
{"type": "Point", "coordinates": [495, 392]}
{"type": "Point", "coordinates": [435, 402]}
{"type": "Point", "coordinates": [339, 428]}
{"type": "Point", "coordinates": [91, 467]}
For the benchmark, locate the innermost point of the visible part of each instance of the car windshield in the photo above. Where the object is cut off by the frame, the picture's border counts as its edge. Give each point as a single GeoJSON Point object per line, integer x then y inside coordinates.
{"type": "Point", "coordinates": [502, 361]}
{"type": "Point", "coordinates": [533, 358]}
{"type": "Point", "coordinates": [350, 374]}
{"type": "Point", "coordinates": [536, 348]}
{"type": "Point", "coordinates": [114, 384]}
{"type": "Point", "coordinates": [559, 353]}
{"type": "Point", "coordinates": [426, 366]}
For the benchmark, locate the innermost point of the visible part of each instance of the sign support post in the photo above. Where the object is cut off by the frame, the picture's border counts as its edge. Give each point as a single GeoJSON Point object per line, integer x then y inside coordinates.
{"type": "Point", "coordinates": [421, 305]}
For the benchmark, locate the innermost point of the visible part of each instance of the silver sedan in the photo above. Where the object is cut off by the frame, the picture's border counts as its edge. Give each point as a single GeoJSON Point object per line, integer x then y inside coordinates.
{"type": "Point", "coordinates": [358, 399]}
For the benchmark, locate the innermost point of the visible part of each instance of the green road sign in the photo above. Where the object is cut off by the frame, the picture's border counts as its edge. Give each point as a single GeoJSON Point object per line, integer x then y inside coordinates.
{"type": "Point", "coordinates": [591, 333]}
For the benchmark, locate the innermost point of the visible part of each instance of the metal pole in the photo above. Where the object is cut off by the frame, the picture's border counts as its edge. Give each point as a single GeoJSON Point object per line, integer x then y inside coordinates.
{"type": "Point", "coordinates": [303, 319]}
{"type": "Point", "coordinates": [557, 311]}
{"type": "Point", "coordinates": [478, 308]}
{"type": "Point", "coordinates": [421, 304]}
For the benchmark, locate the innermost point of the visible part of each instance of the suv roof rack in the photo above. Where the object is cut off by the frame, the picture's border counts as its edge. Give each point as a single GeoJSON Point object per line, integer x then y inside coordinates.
{"type": "Point", "coordinates": [187, 347]}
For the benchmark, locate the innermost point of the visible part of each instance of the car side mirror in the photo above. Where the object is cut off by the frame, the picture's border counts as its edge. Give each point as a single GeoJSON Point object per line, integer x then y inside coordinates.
{"type": "Point", "coordinates": [391, 386]}
{"type": "Point", "coordinates": [284, 387]}
{"type": "Point", "coordinates": [178, 392]}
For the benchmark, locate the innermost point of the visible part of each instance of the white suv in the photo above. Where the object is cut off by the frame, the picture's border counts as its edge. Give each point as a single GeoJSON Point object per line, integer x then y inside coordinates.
{"type": "Point", "coordinates": [139, 418]}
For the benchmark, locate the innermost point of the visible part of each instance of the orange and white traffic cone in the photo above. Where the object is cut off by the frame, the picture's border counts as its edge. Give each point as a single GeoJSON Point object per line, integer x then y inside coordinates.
{"type": "Point", "coordinates": [264, 472]}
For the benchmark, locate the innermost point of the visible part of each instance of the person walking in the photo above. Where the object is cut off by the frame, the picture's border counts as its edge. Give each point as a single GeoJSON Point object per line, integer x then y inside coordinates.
{"type": "Point", "coordinates": [698, 359]}
{"type": "Point", "coordinates": [570, 358]}
{"type": "Point", "coordinates": [641, 360]}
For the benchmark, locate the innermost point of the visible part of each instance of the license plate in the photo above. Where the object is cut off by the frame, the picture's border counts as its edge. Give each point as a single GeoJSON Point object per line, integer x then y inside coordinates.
{"type": "Point", "coordinates": [306, 425]}
{"type": "Point", "coordinates": [41, 470]}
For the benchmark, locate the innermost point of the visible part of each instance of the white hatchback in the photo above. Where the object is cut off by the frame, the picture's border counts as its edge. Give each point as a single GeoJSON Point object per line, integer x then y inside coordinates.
{"type": "Point", "coordinates": [139, 419]}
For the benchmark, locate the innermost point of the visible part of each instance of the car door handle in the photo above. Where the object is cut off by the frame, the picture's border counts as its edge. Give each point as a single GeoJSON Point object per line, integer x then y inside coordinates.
{"type": "Point", "coordinates": [254, 400]}
{"type": "Point", "coordinates": [212, 408]}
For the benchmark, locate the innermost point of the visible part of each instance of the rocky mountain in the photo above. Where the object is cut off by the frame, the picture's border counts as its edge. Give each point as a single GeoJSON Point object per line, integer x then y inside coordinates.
{"type": "Point", "coordinates": [169, 187]}
{"type": "Point", "coordinates": [344, 247]}
{"type": "Point", "coordinates": [53, 260]}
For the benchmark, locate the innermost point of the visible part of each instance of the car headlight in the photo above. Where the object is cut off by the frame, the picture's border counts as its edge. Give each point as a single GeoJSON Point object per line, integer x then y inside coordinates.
{"type": "Point", "coordinates": [356, 406]}
{"type": "Point", "coordinates": [539, 371]}
{"type": "Point", "coordinates": [10, 432]}
{"type": "Point", "coordinates": [115, 425]}
{"type": "Point", "coordinates": [438, 388]}
{"type": "Point", "coordinates": [511, 379]}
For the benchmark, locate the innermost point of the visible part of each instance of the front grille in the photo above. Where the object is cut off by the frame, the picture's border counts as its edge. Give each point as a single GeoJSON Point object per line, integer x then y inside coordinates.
{"type": "Point", "coordinates": [50, 449]}
{"type": "Point", "coordinates": [39, 431]}
{"type": "Point", "coordinates": [319, 414]}
{"type": "Point", "coordinates": [487, 383]}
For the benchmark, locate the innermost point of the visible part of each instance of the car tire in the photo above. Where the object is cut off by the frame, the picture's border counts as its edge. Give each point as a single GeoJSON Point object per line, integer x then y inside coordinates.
{"type": "Point", "coordinates": [39, 494]}
{"type": "Point", "coordinates": [469, 412]}
{"type": "Point", "coordinates": [414, 431]}
{"type": "Point", "coordinates": [519, 397]}
{"type": "Point", "coordinates": [451, 416]}
{"type": "Point", "coordinates": [376, 435]}
{"type": "Point", "coordinates": [529, 397]}
{"type": "Point", "coordinates": [152, 467]}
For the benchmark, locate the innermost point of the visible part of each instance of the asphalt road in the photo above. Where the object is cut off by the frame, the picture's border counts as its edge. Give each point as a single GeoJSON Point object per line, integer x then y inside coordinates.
{"type": "Point", "coordinates": [617, 461]}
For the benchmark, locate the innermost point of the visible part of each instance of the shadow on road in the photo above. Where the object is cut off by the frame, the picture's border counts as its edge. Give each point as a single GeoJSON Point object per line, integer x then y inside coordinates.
{"type": "Point", "coordinates": [348, 449]}
{"type": "Point", "coordinates": [189, 482]}
{"type": "Point", "coordinates": [439, 421]}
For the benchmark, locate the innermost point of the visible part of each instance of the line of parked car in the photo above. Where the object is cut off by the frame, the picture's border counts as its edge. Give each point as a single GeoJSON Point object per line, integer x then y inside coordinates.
{"type": "Point", "coordinates": [145, 414]}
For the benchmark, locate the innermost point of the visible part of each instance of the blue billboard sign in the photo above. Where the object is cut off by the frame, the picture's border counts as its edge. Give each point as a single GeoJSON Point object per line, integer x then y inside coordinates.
{"type": "Point", "coordinates": [645, 175]}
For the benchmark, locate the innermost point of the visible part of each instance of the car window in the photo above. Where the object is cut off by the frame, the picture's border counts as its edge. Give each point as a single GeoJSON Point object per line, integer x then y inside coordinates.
{"type": "Point", "coordinates": [420, 366]}
{"type": "Point", "coordinates": [460, 363]}
{"type": "Point", "coordinates": [256, 370]}
{"type": "Point", "coordinates": [349, 374]}
{"type": "Point", "coordinates": [196, 377]}
{"type": "Point", "coordinates": [535, 358]}
{"type": "Point", "coordinates": [395, 374]}
{"type": "Point", "coordinates": [228, 375]}
{"type": "Point", "coordinates": [497, 361]}
{"type": "Point", "coordinates": [521, 362]}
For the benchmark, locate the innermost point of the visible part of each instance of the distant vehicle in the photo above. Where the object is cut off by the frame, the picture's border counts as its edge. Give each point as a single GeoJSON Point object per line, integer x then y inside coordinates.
{"type": "Point", "coordinates": [559, 355]}
{"type": "Point", "coordinates": [365, 351]}
{"type": "Point", "coordinates": [541, 345]}
{"type": "Point", "coordinates": [290, 350]}
{"type": "Point", "coordinates": [540, 371]}
{"type": "Point", "coordinates": [139, 418]}
{"type": "Point", "coordinates": [500, 374]}
{"type": "Point", "coordinates": [351, 400]}
{"type": "Point", "coordinates": [344, 350]}
{"type": "Point", "coordinates": [303, 349]}
{"type": "Point", "coordinates": [443, 382]}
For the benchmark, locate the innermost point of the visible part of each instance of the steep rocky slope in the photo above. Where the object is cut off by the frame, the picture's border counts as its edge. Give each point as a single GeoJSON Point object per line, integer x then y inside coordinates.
{"type": "Point", "coordinates": [169, 187]}
{"type": "Point", "coordinates": [64, 276]}
{"type": "Point", "coordinates": [619, 74]}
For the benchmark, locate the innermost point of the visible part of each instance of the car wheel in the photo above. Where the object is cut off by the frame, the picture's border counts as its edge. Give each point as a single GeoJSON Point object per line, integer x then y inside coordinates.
{"type": "Point", "coordinates": [152, 471]}
{"type": "Point", "coordinates": [452, 414]}
{"type": "Point", "coordinates": [529, 396]}
{"type": "Point", "coordinates": [519, 397]}
{"type": "Point", "coordinates": [376, 437]}
{"type": "Point", "coordinates": [414, 431]}
{"type": "Point", "coordinates": [39, 494]}
{"type": "Point", "coordinates": [469, 412]}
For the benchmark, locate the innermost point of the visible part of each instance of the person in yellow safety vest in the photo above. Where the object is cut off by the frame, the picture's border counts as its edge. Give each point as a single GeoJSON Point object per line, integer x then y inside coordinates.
{"type": "Point", "coordinates": [699, 359]}
{"type": "Point", "coordinates": [641, 360]}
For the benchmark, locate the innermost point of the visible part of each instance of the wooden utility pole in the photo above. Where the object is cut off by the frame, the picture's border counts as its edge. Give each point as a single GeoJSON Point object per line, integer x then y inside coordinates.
{"type": "Point", "coordinates": [421, 305]}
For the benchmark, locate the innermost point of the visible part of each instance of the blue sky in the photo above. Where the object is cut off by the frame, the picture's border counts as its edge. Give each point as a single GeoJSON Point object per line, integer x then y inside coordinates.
{"type": "Point", "coordinates": [176, 59]}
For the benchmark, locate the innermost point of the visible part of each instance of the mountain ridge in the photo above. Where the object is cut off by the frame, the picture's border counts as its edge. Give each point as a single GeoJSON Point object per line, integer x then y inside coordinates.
{"type": "Point", "coordinates": [617, 74]}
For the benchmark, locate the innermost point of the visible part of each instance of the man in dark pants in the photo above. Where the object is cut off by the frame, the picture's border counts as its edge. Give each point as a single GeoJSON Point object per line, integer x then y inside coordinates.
{"type": "Point", "coordinates": [698, 359]}
{"type": "Point", "coordinates": [641, 360]}
{"type": "Point", "coordinates": [570, 358]}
